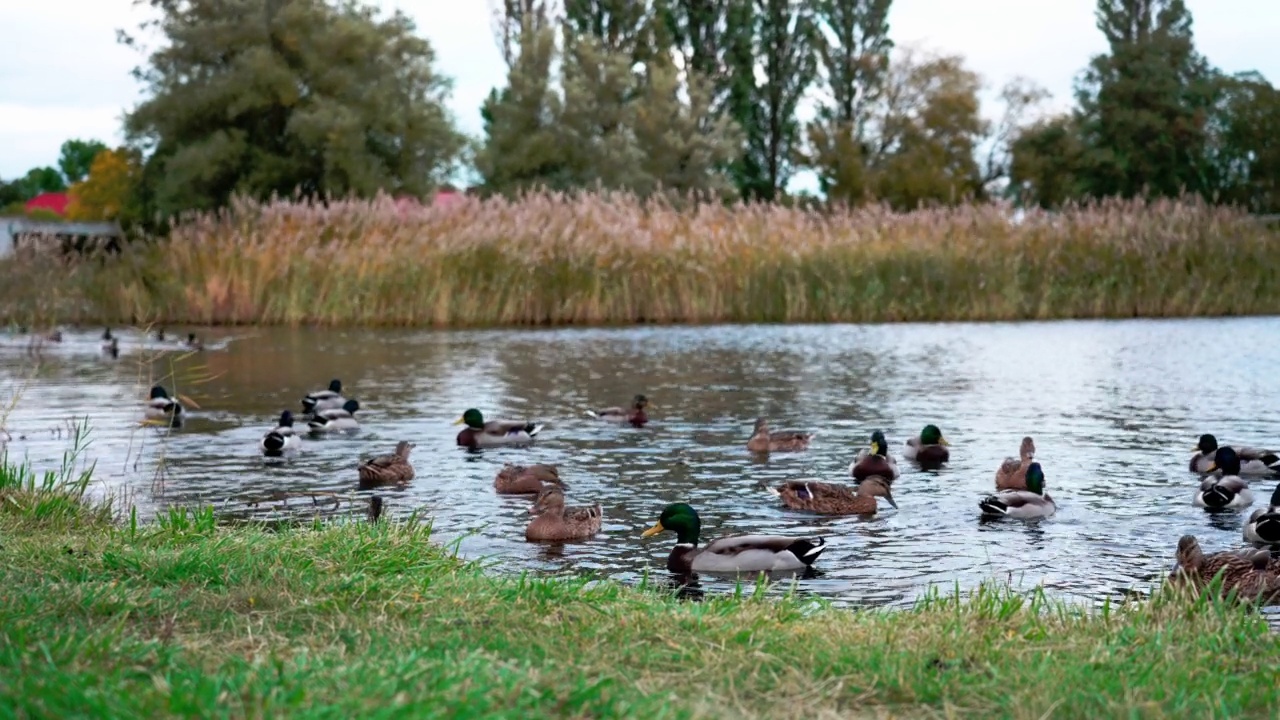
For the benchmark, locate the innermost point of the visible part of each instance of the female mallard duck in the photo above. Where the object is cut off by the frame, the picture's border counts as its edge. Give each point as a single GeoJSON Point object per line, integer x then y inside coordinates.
{"type": "Point", "coordinates": [324, 399]}
{"type": "Point", "coordinates": [1012, 473]}
{"type": "Point", "coordinates": [1263, 527]}
{"type": "Point", "coordinates": [733, 554]}
{"type": "Point", "coordinates": [763, 441]}
{"type": "Point", "coordinates": [1033, 502]}
{"type": "Point", "coordinates": [1227, 492]}
{"type": "Point", "coordinates": [192, 343]}
{"type": "Point", "coordinates": [829, 499]}
{"type": "Point", "coordinates": [161, 407]}
{"type": "Point", "coordinates": [874, 461]}
{"type": "Point", "coordinates": [634, 415]}
{"type": "Point", "coordinates": [1253, 461]}
{"type": "Point", "coordinates": [479, 433]}
{"type": "Point", "coordinates": [554, 521]}
{"type": "Point", "coordinates": [283, 439]}
{"type": "Point", "coordinates": [929, 450]}
{"type": "Point", "coordinates": [1246, 572]}
{"type": "Point", "coordinates": [341, 419]}
{"type": "Point", "coordinates": [526, 479]}
{"type": "Point", "coordinates": [387, 469]}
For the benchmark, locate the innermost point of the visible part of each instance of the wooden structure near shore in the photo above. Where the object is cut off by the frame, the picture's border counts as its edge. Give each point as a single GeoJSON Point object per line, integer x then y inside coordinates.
{"type": "Point", "coordinates": [22, 234]}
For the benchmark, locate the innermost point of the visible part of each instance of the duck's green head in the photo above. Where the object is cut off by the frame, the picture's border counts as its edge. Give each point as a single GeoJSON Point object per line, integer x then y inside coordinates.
{"type": "Point", "coordinates": [1207, 444]}
{"type": "Point", "coordinates": [351, 406]}
{"type": "Point", "coordinates": [1226, 460]}
{"type": "Point", "coordinates": [680, 519]}
{"type": "Point", "coordinates": [879, 446]}
{"type": "Point", "coordinates": [472, 418]}
{"type": "Point", "coordinates": [931, 435]}
{"type": "Point", "coordinates": [335, 385]}
{"type": "Point", "coordinates": [1035, 478]}
{"type": "Point", "coordinates": [158, 392]}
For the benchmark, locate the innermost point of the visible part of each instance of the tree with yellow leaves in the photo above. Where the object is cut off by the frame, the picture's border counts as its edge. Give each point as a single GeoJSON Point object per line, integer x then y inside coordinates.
{"type": "Point", "coordinates": [110, 190]}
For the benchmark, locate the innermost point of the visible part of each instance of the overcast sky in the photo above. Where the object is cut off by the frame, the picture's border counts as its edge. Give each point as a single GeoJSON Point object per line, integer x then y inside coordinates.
{"type": "Point", "coordinates": [64, 76]}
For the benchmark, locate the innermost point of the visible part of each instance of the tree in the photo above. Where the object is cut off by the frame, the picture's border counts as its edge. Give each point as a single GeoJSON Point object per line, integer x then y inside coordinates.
{"type": "Point", "coordinates": [38, 180]}
{"type": "Point", "coordinates": [784, 35]}
{"type": "Point", "coordinates": [309, 95]}
{"type": "Point", "coordinates": [925, 128]}
{"type": "Point", "coordinates": [1142, 107]}
{"type": "Point", "coordinates": [109, 192]}
{"type": "Point", "coordinates": [597, 128]}
{"type": "Point", "coordinates": [853, 48]}
{"type": "Point", "coordinates": [620, 27]}
{"type": "Point", "coordinates": [1021, 98]}
{"type": "Point", "coordinates": [1046, 162]}
{"type": "Point", "coordinates": [1244, 144]}
{"type": "Point", "coordinates": [76, 157]}
{"type": "Point", "coordinates": [512, 20]}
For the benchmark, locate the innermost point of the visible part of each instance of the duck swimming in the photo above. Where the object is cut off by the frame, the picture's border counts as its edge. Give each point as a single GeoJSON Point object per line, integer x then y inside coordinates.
{"type": "Point", "coordinates": [830, 499]}
{"type": "Point", "coordinates": [763, 441]}
{"type": "Point", "coordinates": [635, 415]}
{"type": "Point", "coordinates": [1227, 492]}
{"type": "Point", "coordinates": [281, 439]}
{"type": "Point", "coordinates": [1012, 473]}
{"type": "Point", "coordinates": [342, 419]}
{"type": "Point", "coordinates": [554, 521]}
{"type": "Point", "coordinates": [162, 407]}
{"type": "Point", "coordinates": [324, 399]}
{"type": "Point", "coordinates": [1253, 461]}
{"type": "Point", "coordinates": [733, 554]}
{"type": "Point", "coordinates": [874, 461]}
{"type": "Point", "coordinates": [479, 433]}
{"type": "Point", "coordinates": [1033, 502]}
{"type": "Point", "coordinates": [929, 450]}
{"type": "Point", "coordinates": [391, 469]}
{"type": "Point", "coordinates": [1263, 526]}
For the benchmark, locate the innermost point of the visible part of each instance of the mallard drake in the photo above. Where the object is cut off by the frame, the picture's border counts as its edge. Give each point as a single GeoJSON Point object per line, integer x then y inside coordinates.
{"type": "Point", "coordinates": [107, 339]}
{"type": "Point", "coordinates": [526, 479]}
{"type": "Point", "coordinates": [192, 342]}
{"type": "Point", "coordinates": [479, 433]}
{"type": "Point", "coordinates": [324, 399]}
{"type": "Point", "coordinates": [282, 439]}
{"type": "Point", "coordinates": [340, 419]}
{"type": "Point", "coordinates": [763, 441]}
{"type": "Point", "coordinates": [1033, 502]}
{"type": "Point", "coordinates": [161, 407]}
{"type": "Point", "coordinates": [1012, 473]}
{"type": "Point", "coordinates": [874, 461]}
{"type": "Point", "coordinates": [1253, 461]}
{"type": "Point", "coordinates": [387, 469]}
{"type": "Point", "coordinates": [634, 415]}
{"type": "Point", "coordinates": [554, 521]}
{"type": "Point", "coordinates": [1228, 491]}
{"type": "Point", "coordinates": [830, 499]}
{"type": "Point", "coordinates": [929, 450]}
{"type": "Point", "coordinates": [733, 554]}
{"type": "Point", "coordinates": [1263, 527]}
{"type": "Point", "coordinates": [1246, 572]}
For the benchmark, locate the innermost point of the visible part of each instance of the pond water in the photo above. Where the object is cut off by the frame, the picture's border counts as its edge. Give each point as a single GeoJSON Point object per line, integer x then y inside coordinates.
{"type": "Point", "coordinates": [1115, 409]}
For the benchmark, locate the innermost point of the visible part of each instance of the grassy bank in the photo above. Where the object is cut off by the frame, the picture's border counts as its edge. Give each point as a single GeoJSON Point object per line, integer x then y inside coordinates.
{"type": "Point", "coordinates": [187, 618]}
{"type": "Point", "coordinates": [554, 260]}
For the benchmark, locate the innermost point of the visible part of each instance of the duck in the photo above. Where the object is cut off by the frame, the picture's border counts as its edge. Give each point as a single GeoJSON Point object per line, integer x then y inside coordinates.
{"type": "Point", "coordinates": [160, 335]}
{"type": "Point", "coordinates": [160, 406]}
{"type": "Point", "coordinates": [479, 433]}
{"type": "Point", "coordinates": [1253, 461]}
{"type": "Point", "coordinates": [107, 340]}
{"type": "Point", "coordinates": [193, 343]}
{"type": "Point", "coordinates": [1248, 573]}
{"type": "Point", "coordinates": [387, 469]}
{"type": "Point", "coordinates": [112, 349]}
{"type": "Point", "coordinates": [340, 419]}
{"type": "Point", "coordinates": [763, 441]}
{"type": "Point", "coordinates": [732, 554]}
{"type": "Point", "coordinates": [324, 399]}
{"type": "Point", "coordinates": [1012, 473]}
{"type": "Point", "coordinates": [874, 461]}
{"type": "Point", "coordinates": [831, 499]}
{"type": "Point", "coordinates": [526, 479]}
{"type": "Point", "coordinates": [1263, 526]}
{"type": "Point", "coordinates": [282, 439]}
{"type": "Point", "coordinates": [929, 450]}
{"type": "Point", "coordinates": [1228, 491]}
{"type": "Point", "coordinates": [54, 336]}
{"type": "Point", "coordinates": [553, 521]}
{"type": "Point", "coordinates": [635, 415]}
{"type": "Point", "coordinates": [1033, 502]}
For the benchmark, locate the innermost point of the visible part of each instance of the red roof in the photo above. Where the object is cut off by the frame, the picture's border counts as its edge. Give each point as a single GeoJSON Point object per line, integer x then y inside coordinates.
{"type": "Point", "coordinates": [55, 201]}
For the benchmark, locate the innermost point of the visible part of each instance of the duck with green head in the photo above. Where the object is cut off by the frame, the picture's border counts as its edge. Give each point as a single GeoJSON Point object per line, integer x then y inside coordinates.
{"type": "Point", "coordinates": [733, 554]}
{"type": "Point", "coordinates": [1263, 526]}
{"type": "Point", "coordinates": [340, 419]}
{"type": "Point", "coordinates": [1033, 502]}
{"type": "Point", "coordinates": [162, 407]}
{"type": "Point", "coordinates": [929, 449]}
{"type": "Point", "coordinates": [479, 433]}
{"type": "Point", "coordinates": [1253, 461]}
{"type": "Point", "coordinates": [1228, 491]}
{"type": "Point", "coordinates": [330, 399]}
{"type": "Point", "coordinates": [874, 461]}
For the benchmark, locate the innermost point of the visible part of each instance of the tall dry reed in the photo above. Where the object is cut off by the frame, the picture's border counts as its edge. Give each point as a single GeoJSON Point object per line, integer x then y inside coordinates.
{"type": "Point", "coordinates": [551, 259]}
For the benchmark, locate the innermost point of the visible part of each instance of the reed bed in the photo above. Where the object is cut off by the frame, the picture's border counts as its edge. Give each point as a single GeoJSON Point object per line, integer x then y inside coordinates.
{"type": "Point", "coordinates": [612, 259]}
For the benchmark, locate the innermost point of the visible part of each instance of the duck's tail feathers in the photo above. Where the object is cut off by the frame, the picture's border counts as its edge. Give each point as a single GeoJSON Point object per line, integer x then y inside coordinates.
{"type": "Point", "coordinates": [1273, 461]}
{"type": "Point", "coordinates": [993, 505]}
{"type": "Point", "coordinates": [273, 442]}
{"type": "Point", "coordinates": [308, 404]}
{"type": "Point", "coordinates": [772, 491]}
{"type": "Point", "coordinates": [808, 549]}
{"type": "Point", "coordinates": [591, 413]}
{"type": "Point", "coordinates": [533, 429]}
{"type": "Point", "coordinates": [1267, 528]}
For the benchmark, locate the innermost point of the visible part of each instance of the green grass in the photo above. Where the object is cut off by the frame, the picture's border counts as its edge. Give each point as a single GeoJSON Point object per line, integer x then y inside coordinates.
{"type": "Point", "coordinates": [187, 617]}
{"type": "Point", "coordinates": [553, 260]}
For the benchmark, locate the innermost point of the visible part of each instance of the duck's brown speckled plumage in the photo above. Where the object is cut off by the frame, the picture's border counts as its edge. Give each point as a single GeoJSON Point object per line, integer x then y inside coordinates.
{"type": "Point", "coordinates": [831, 499]}
{"type": "Point", "coordinates": [1251, 574]}
{"type": "Point", "coordinates": [763, 441]}
{"type": "Point", "coordinates": [1012, 473]}
{"type": "Point", "coordinates": [391, 469]}
{"type": "Point", "coordinates": [526, 479]}
{"type": "Point", "coordinates": [554, 521]}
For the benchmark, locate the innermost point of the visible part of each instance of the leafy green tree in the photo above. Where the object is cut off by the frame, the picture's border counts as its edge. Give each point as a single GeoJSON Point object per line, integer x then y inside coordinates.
{"type": "Point", "coordinates": [39, 180]}
{"type": "Point", "coordinates": [1142, 106]}
{"type": "Point", "coordinates": [620, 27]}
{"type": "Point", "coordinates": [76, 157]}
{"type": "Point", "coordinates": [596, 126]}
{"type": "Point", "coordinates": [853, 48]}
{"type": "Point", "coordinates": [1244, 147]}
{"type": "Point", "coordinates": [1046, 162]}
{"type": "Point", "coordinates": [315, 96]}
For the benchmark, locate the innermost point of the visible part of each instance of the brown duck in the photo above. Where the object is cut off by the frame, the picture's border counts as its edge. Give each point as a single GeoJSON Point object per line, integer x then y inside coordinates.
{"type": "Point", "coordinates": [526, 479]}
{"type": "Point", "coordinates": [1012, 473]}
{"type": "Point", "coordinates": [393, 469]}
{"type": "Point", "coordinates": [554, 521]}
{"type": "Point", "coordinates": [1247, 572]}
{"type": "Point", "coordinates": [635, 415]}
{"type": "Point", "coordinates": [763, 441]}
{"type": "Point", "coordinates": [830, 499]}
